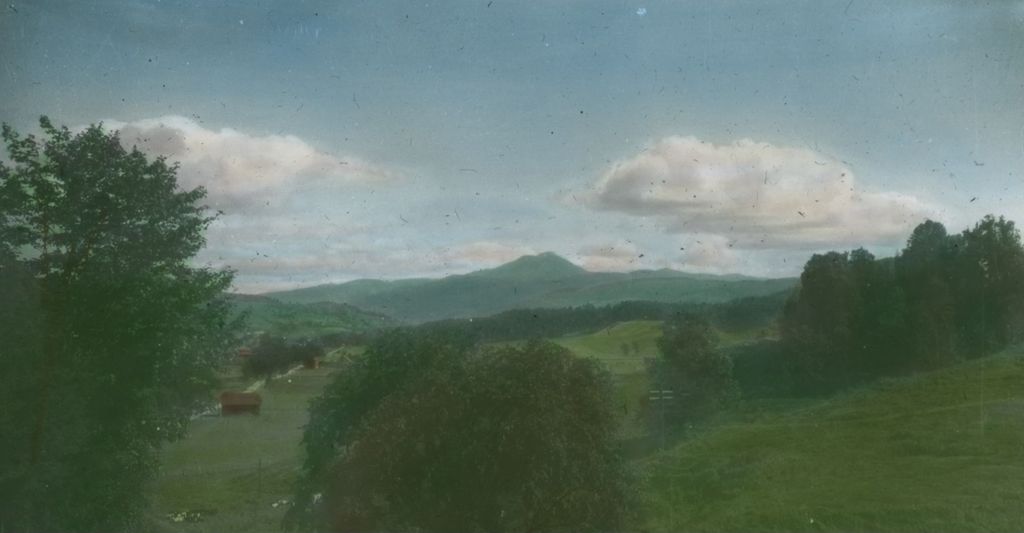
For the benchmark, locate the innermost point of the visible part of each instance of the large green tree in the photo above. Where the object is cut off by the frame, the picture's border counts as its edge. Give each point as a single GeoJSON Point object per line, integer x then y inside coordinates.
{"type": "Point", "coordinates": [693, 368]}
{"type": "Point", "coordinates": [988, 278]}
{"type": "Point", "coordinates": [112, 335]}
{"type": "Point", "coordinates": [440, 435]}
{"type": "Point", "coordinates": [925, 274]}
{"type": "Point", "coordinates": [818, 321]}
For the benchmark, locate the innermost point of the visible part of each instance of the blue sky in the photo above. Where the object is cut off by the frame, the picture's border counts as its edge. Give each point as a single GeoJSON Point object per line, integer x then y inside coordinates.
{"type": "Point", "coordinates": [392, 139]}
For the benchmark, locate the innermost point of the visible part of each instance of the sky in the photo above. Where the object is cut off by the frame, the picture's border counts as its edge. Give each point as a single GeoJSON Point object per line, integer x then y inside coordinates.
{"type": "Point", "coordinates": [383, 139]}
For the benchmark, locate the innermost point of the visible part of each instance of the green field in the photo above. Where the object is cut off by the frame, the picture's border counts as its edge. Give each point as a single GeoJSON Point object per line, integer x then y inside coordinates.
{"type": "Point", "coordinates": [621, 348]}
{"type": "Point", "coordinates": [234, 469]}
{"type": "Point", "coordinates": [305, 320]}
{"type": "Point", "coordinates": [937, 452]}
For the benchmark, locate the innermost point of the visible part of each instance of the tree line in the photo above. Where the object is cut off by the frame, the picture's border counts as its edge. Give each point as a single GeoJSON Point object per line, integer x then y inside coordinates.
{"type": "Point", "coordinates": [943, 298]}
{"type": "Point", "coordinates": [541, 323]}
{"type": "Point", "coordinates": [273, 354]}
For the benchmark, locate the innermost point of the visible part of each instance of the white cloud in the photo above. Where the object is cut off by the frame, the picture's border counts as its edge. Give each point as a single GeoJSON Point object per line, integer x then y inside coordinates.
{"type": "Point", "coordinates": [710, 254]}
{"type": "Point", "coordinates": [482, 254]}
{"type": "Point", "coordinates": [619, 257]}
{"type": "Point", "coordinates": [293, 214]}
{"type": "Point", "coordinates": [755, 195]}
{"type": "Point", "coordinates": [236, 167]}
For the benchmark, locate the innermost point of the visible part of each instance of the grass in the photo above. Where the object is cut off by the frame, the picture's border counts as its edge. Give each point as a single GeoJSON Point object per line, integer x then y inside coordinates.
{"type": "Point", "coordinates": [941, 451]}
{"type": "Point", "coordinates": [936, 452]}
{"type": "Point", "coordinates": [233, 469]}
{"type": "Point", "coordinates": [621, 348]}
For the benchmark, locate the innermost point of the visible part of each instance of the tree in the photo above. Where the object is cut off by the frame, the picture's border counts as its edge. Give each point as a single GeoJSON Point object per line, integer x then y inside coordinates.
{"type": "Point", "coordinates": [989, 286]}
{"type": "Point", "coordinates": [391, 363]}
{"type": "Point", "coordinates": [499, 439]}
{"type": "Point", "coordinates": [818, 322]}
{"type": "Point", "coordinates": [699, 375]}
{"type": "Point", "coordinates": [274, 354]}
{"type": "Point", "coordinates": [878, 327]}
{"type": "Point", "coordinates": [924, 272]}
{"type": "Point", "coordinates": [123, 334]}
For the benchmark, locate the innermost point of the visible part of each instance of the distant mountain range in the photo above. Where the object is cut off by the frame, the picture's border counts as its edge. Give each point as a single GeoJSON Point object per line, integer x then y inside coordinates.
{"type": "Point", "coordinates": [544, 280]}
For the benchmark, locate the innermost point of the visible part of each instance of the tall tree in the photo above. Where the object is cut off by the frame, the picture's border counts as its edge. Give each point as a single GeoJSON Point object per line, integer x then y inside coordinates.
{"type": "Point", "coordinates": [125, 333]}
{"type": "Point", "coordinates": [819, 319]}
{"type": "Point", "coordinates": [924, 271]}
{"type": "Point", "coordinates": [878, 327]}
{"type": "Point", "coordinates": [989, 274]}
{"type": "Point", "coordinates": [699, 375]}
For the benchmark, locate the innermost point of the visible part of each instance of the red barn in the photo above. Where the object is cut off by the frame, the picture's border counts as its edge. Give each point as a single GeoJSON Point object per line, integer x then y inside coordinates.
{"type": "Point", "coordinates": [311, 362]}
{"type": "Point", "coordinates": [237, 403]}
{"type": "Point", "coordinates": [244, 353]}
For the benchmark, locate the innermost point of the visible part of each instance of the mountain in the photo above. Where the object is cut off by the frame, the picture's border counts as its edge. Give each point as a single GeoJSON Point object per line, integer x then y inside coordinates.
{"type": "Point", "coordinates": [543, 280]}
{"type": "Point", "coordinates": [545, 266]}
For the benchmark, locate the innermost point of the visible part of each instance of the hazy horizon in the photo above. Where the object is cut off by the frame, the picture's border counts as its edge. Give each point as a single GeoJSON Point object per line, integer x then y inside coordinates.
{"type": "Point", "coordinates": [539, 254]}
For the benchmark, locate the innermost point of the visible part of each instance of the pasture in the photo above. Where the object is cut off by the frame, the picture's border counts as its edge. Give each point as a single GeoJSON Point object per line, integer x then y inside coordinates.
{"type": "Point", "coordinates": [941, 451]}
{"type": "Point", "coordinates": [232, 470]}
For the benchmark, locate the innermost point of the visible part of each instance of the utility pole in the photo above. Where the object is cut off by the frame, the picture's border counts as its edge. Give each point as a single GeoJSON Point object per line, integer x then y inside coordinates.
{"type": "Point", "coordinates": [662, 397]}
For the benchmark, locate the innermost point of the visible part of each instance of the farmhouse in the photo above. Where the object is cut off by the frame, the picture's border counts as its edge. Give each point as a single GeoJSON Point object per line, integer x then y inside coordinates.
{"type": "Point", "coordinates": [236, 403]}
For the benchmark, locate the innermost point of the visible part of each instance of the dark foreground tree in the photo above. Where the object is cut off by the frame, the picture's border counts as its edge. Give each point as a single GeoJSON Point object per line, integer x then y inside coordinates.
{"type": "Point", "coordinates": [110, 339]}
{"type": "Point", "coordinates": [509, 439]}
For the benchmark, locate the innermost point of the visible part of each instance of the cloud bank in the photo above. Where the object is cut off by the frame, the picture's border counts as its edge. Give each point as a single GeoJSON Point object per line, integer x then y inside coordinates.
{"type": "Point", "coordinates": [754, 195]}
{"type": "Point", "coordinates": [236, 167]}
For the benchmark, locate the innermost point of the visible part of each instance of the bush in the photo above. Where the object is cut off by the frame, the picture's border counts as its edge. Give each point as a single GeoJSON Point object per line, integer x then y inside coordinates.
{"type": "Point", "coordinates": [468, 439]}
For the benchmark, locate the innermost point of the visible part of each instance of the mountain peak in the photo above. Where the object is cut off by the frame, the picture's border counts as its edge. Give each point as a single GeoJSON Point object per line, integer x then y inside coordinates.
{"type": "Point", "coordinates": [547, 265]}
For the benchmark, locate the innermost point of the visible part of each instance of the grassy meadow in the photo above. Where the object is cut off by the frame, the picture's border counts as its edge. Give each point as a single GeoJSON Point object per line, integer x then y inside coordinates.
{"type": "Point", "coordinates": [941, 451]}
{"type": "Point", "coordinates": [232, 470]}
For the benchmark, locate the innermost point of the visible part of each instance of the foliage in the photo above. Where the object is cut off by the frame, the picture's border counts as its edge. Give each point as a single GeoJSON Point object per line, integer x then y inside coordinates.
{"type": "Point", "coordinates": [519, 324]}
{"type": "Point", "coordinates": [944, 297]}
{"type": "Point", "coordinates": [119, 337]}
{"type": "Point", "coordinates": [332, 322]}
{"type": "Point", "coordinates": [438, 435]}
{"type": "Point", "coordinates": [691, 366]}
{"type": "Point", "coordinates": [274, 354]}
{"type": "Point", "coordinates": [389, 364]}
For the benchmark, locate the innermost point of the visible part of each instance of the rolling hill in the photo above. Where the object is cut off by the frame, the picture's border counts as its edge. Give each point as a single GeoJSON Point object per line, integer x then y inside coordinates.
{"type": "Point", "coordinates": [544, 280]}
{"type": "Point", "coordinates": [301, 320]}
{"type": "Point", "coordinates": [939, 451]}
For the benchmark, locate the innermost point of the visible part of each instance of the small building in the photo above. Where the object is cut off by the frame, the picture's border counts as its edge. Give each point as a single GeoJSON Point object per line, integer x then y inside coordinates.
{"type": "Point", "coordinates": [310, 363]}
{"type": "Point", "coordinates": [244, 352]}
{"type": "Point", "coordinates": [237, 403]}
